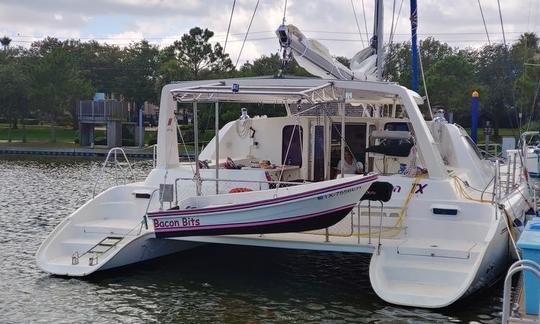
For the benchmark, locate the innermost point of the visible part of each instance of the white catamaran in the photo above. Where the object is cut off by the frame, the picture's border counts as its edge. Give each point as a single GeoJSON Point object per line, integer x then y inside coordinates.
{"type": "Point", "coordinates": [275, 182]}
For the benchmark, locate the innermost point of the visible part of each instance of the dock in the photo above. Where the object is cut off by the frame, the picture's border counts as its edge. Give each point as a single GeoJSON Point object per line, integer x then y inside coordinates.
{"type": "Point", "coordinates": [138, 153]}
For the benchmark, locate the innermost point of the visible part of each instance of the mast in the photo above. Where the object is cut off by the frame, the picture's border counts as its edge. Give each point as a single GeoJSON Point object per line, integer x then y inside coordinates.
{"type": "Point", "coordinates": [378, 30]}
{"type": "Point", "coordinates": [414, 46]}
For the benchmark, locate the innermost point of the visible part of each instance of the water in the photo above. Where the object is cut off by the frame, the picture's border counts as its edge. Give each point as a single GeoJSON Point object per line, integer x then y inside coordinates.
{"type": "Point", "coordinates": [218, 284]}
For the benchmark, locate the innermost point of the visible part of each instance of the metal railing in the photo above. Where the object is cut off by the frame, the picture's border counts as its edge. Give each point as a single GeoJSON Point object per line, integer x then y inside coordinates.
{"type": "Point", "coordinates": [496, 181]}
{"type": "Point", "coordinates": [105, 110]}
{"type": "Point", "coordinates": [511, 180]}
{"type": "Point", "coordinates": [154, 156]}
{"type": "Point", "coordinates": [145, 217]}
{"type": "Point", "coordinates": [493, 150]}
{"type": "Point", "coordinates": [511, 314]}
{"type": "Point", "coordinates": [116, 164]}
{"type": "Point", "coordinates": [369, 224]}
{"type": "Point", "coordinates": [259, 182]}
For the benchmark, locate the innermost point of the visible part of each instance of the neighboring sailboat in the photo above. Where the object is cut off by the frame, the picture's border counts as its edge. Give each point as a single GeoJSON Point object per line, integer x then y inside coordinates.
{"type": "Point", "coordinates": [529, 143]}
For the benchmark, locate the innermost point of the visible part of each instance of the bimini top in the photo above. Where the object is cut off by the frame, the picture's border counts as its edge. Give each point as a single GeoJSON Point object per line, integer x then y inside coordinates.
{"type": "Point", "coordinates": [272, 91]}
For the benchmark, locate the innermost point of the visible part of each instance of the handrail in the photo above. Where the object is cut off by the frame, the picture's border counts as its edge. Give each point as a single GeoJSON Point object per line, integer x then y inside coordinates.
{"type": "Point", "coordinates": [496, 179]}
{"type": "Point", "coordinates": [116, 164]}
{"type": "Point", "coordinates": [229, 180]}
{"type": "Point", "coordinates": [154, 156]}
{"type": "Point", "coordinates": [488, 153]}
{"type": "Point", "coordinates": [247, 181]}
{"type": "Point", "coordinates": [518, 266]}
{"type": "Point", "coordinates": [145, 217]}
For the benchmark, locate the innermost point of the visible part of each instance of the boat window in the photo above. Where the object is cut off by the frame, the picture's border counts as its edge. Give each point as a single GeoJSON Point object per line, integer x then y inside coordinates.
{"type": "Point", "coordinates": [318, 153]}
{"type": "Point", "coordinates": [292, 136]}
{"type": "Point", "coordinates": [397, 126]}
{"type": "Point", "coordinates": [355, 141]}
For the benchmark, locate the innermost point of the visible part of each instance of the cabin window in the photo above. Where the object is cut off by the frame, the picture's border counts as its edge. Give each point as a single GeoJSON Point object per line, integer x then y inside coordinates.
{"type": "Point", "coordinates": [396, 126]}
{"type": "Point", "coordinates": [292, 137]}
{"type": "Point", "coordinates": [355, 140]}
{"type": "Point", "coordinates": [318, 153]}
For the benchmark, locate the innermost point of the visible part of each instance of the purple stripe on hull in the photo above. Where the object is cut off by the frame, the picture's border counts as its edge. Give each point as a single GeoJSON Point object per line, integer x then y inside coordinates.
{"type": "Point", "coordinates": [285, 225]}
{"type": "Point", "coordinates": [263, 202]}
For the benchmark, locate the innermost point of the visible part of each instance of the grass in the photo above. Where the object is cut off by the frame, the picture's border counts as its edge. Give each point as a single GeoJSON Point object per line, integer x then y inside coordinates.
{"type": "Point", "coordinates": [40, 135]}
{"type": "Point", "coordinates": [37, 133]}
{"type": "Point", "coordinates": [503, 132]}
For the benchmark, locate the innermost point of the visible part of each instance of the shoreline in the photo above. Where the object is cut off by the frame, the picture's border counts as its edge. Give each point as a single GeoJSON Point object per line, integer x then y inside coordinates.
{"type": "Point", "coordinates": [141, 153]}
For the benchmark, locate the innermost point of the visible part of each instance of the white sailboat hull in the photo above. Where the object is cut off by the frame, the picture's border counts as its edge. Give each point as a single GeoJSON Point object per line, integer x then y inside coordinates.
{"type": "Point", "coordinates": [434, 270]}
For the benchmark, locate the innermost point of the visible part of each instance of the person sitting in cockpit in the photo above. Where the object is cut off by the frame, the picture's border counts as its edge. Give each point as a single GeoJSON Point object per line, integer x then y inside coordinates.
{"type": "Point", "coordinates": [350, 165]}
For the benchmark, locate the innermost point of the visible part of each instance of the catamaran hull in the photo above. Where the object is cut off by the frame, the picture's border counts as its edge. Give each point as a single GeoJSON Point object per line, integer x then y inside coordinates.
{"type": "Point", "coordinates": [434, 273]}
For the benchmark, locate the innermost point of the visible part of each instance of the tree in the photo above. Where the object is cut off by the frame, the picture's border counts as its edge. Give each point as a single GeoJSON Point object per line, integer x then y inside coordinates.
{"type": "Point", "coordinates": [265, 65]}
{"type": "Point", "coordinates": [271, 65]}
{"type": "Point", "coordinates": [526, 58]}
{"type": "Point", "coordinates": [14, 94]}
{"type": "Point", "coordinates": [493, 70]}
{"type": "Point", "coordinates": [101, 64]}
{"type": "Point", "coordinates": [137, 80]}
{"type": "Point", "coordinates": [525, 49]}
{"type": "Point", "coordinates": [5, 41]}
{"type": "Point", "coordinates": [399, 61]}
{"type": "Point", "coordinates": [195, 52]}
{"type": "Point", "coordinates": [168, 71]}
{"type": "Point", "coordinates": [56, 82]}
{"type": "Point", "coordinates": [450, 82]}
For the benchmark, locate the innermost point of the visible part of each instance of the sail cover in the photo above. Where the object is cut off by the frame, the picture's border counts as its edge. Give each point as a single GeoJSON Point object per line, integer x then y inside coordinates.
{"type": "Point", "coordinates": [317, 60]}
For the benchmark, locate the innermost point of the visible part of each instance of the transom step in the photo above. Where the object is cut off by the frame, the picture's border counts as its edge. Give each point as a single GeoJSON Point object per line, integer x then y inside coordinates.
{"type": "Point", "coordinates": [105, 245]}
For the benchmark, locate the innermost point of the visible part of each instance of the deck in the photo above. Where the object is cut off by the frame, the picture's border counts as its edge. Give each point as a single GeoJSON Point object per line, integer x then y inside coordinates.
{"type": "Point", "coordinates": [302, 241]}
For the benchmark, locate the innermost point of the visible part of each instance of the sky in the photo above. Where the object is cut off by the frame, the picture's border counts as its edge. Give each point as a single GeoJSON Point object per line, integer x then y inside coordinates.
{"type": "Point", "coordinates": [456, 22]}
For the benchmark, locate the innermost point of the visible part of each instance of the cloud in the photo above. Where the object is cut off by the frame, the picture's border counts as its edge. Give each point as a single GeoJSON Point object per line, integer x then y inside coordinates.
{"type": "Point", "coordinates": [331, 21]}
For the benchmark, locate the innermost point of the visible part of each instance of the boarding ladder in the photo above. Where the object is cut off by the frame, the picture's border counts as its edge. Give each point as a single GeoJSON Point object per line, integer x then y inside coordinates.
{"type": "Point", "coordinates": [97, 250]}
{"type": "Point", "coordinates": [118, 160]}
{"type": "Point", "coordinates": [512, 315]}
{"type": "Point", "coordinates": [109, 242]}
{"type": "Point", "coordinates": [507, 176]}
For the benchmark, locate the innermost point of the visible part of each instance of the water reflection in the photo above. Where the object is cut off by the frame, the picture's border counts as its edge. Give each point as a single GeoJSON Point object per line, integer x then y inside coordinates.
{"type": "Point", "coordinates": [209, 284]}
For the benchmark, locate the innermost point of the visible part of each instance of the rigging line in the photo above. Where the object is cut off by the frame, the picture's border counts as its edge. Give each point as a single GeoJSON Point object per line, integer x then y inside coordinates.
{"type": "Point", "coordinates": [392, 23]}
{"type": "Point", "coordinates": [365, 22]}
{"type": "Point", "coordinates": [284, 13]}
{"type": "Point", "coordinates": [533, 105]}
{"type": "Point", "coordinates": [484, 21]}
{"type": "Point", "coordinates": [357, 25]}
{"type": "Point", "coordinates": [245, 37]}
{"type": "Point", "coordinates": [502, 24]}
{"type": "Point", "coordinates": [535, 15]}
{"type": "Point", "coordinates": [506, 57]}
{"type": "Point", "coordinates": [424, 81]}
{"type": "Point", "coordinates": [529, 15]}
{"type": "Point", "coordinates": [229, 27]}
{"type": "Point", "coordinates": [393, 33]}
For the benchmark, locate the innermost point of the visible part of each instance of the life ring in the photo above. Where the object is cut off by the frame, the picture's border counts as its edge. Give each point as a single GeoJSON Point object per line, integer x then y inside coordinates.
{"type": "Point", "coordinates": [236, 190]}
